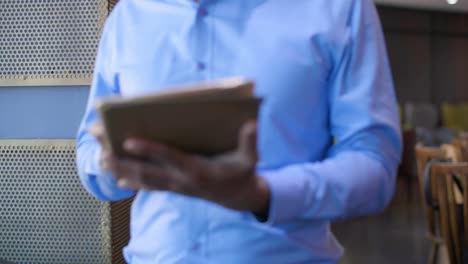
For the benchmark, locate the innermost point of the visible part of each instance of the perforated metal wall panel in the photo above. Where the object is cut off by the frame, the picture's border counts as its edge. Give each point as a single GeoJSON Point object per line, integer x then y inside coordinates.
{"type": "Point", "coordinates": [49, 42]}
{"type": "Point", "coordinates": [46, 216]}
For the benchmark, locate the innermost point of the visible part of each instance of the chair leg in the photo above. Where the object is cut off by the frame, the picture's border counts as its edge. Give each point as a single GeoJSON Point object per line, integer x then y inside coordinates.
{"type": "Point", "coordinates": [409, 187]}
{"type": "Point", "coordinates": [433, 254]}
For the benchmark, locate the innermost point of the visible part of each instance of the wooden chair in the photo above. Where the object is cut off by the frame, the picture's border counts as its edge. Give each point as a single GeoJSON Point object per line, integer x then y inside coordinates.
{"type": "Point", "coordinates": [451, 199]}
{"type": "Point", "coordinates": [463, 134]}
{"type": "Point", "coordinates": [461, 143]}
{"type": "Point", "coordinates": [423, 156]}
{"type": "Point", "coordinates": [452, 152]}
{"type": "Point", "coordinates": [407, 168]}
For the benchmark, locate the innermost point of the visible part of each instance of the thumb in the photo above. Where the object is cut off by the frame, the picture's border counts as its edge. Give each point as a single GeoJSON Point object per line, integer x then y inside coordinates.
{"type": "Point", "coordinates": [248, 140]}
{"type": "Point", "coordinates": [97, 130]}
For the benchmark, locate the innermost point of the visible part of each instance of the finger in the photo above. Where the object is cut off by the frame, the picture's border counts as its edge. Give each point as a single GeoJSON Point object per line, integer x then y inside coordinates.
{"type": "Point", "coordinates": [97, 130]}
{"type": "Point", "coordinates": [155, 152]}
{"type": "Point", "coordinates": [107, 160]}
{"type": "Point", "coordinates": [136, 175]}
{"type": "Point", "coordinates": [248, 140]}
{"type": "Point", "coordinates": [141, 175]}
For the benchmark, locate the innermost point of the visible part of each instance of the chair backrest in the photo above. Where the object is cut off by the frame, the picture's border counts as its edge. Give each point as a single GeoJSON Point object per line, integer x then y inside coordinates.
{"type": "Point", "coordinates": [463, 135]}
{"type": "Point", "coordinates": [46, 216]}
{"type": "Point", "coordinates": [452, 152]}
{"type": "Point", "coordinates": [453, 207]}
{"type": "Point", "coordinates": [423, 156]}
{"type": "Point", "coordinates": [461, 143]}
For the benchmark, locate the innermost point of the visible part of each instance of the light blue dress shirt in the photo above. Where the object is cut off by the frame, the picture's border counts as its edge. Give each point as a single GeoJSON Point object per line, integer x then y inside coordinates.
{"type": "Point", "coordinates": [322, 68]}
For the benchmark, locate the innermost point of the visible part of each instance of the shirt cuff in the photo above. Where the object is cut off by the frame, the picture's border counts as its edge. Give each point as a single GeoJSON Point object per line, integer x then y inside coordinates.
{"type": "Point", "coordinates": [288, 192]}
{"type": "Point", "coordinates": [103, 183]}
{"type": "Point", "coordinates": [92, 166]}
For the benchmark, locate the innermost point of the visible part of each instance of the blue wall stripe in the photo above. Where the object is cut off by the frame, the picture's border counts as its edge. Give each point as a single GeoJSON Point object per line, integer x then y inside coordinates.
{"type": "Point", "coordinates": [41, 112]}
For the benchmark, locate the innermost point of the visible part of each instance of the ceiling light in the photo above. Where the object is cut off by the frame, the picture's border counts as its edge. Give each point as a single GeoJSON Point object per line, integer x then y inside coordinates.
{"type": "Point", "coordinates": [452, 2]}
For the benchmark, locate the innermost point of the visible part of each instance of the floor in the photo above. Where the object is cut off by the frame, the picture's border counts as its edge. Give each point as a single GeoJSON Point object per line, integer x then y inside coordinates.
{"type": "Point", "coordinates": [395, 236]}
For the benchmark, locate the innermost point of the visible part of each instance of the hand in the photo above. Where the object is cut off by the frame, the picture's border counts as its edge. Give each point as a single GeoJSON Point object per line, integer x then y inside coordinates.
{"type": "Point", "coordinates": [97, 130]}
{"type": "Point", "coordinates": [229, 179]}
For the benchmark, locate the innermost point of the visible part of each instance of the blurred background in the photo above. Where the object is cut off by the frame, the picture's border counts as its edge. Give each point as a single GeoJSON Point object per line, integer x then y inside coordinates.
{"type": "Point", "coordinates": [427, 42]}
{"type": "Point", "coordinates": [47, 51]}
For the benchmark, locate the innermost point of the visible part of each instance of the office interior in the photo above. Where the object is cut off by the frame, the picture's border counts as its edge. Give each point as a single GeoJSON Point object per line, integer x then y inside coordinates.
{"type": "Point", "coordinates": [47, 217]}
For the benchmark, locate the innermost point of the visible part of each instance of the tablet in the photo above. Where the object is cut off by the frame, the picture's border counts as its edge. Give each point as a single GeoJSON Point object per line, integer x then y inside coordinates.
{"type": "Point", "coordinates": [200, 118]}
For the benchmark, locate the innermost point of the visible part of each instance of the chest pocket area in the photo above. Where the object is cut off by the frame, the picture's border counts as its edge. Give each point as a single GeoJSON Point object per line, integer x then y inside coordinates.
{"type": "Point", "coordinates": [153, 70]}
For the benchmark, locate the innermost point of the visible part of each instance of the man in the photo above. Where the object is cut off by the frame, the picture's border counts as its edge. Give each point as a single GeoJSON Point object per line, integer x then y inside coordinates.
{"type": "Point", "coordinates": [322, 70]}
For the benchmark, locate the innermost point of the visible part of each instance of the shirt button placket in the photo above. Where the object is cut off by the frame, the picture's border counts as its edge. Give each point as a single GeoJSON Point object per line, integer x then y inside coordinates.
{"type": "Point", "coordinates": [202, 12]}
{"type": "Point", "coordinates": [201, 60]}
{"type": "Point", "coordinates": [201, 66]}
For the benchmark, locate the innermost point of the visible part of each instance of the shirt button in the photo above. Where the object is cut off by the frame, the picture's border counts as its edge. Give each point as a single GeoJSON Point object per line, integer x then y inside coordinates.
{"type": "Point", "coordinates": [196, 246]}
{"type": "Point", "coordinates": [201, 66]}
{"type": "Point", "coordinates": [202, 12]}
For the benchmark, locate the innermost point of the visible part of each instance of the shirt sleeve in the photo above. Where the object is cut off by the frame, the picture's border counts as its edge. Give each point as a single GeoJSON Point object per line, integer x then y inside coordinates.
{"type": "Point", "coordinates": [358, 175]}
{"type": "Point", "coordinates": [105, 83]}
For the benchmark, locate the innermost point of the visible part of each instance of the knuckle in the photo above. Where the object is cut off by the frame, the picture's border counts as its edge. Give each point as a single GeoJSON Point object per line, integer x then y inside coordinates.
{"type": "Point", "coordinates": [146, 179]}
{"type": "Point", "coordinates": [174, 187]}
{"type": "Point", "coordinates": [194, 175]}
{"type": "Point", "coordinates": [141, 171]}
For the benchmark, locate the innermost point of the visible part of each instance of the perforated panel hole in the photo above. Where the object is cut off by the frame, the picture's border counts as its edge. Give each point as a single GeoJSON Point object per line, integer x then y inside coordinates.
{"type": "Point", "coordinates": [49, 39]}
{"type": "Point", "coordinates": [45, 214]}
